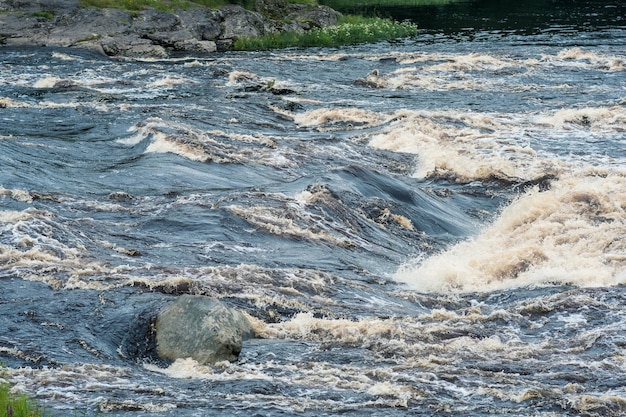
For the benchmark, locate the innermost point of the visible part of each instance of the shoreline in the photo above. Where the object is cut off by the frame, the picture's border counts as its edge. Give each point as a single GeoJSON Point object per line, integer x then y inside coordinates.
{"type": "Point", "coordinates": [150, 33]}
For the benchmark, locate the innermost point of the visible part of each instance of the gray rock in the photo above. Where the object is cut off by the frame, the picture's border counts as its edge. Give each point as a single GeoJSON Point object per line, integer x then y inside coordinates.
{"type": "Point", "coordinates": [239, 22]}
{"type": "Point", "coordinates": [201, 328]}
{"type": "Point", "coordinates": [23, 30]}
{"type": "Point", "coordinates": [275, 9]}
{"type": "Point", "coordinates": [154, 21]}
{"type": "Point", "coordinates": [194, 45]}
{"type": "Point", "coordinates": [131, 46]}
{"type": "Point", "coordinates": [320, 16]}
{"type": "Point", "coordinates": [204, 23]}
{"type": "Point", "coordinates": [58, 7]}
{"type": "Point", "coordinates": [169, 39]}
{"type": "Point", "coordinates": [87, 24]}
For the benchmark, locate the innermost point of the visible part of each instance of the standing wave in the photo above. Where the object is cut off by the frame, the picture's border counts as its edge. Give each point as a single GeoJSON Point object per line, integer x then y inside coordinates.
{"type": "Point", "coordinates": [574, 233]}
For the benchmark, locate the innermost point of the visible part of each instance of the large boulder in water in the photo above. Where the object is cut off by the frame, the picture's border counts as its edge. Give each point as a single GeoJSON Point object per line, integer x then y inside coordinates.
{"type": "Point", "coordinates": [202, 328]}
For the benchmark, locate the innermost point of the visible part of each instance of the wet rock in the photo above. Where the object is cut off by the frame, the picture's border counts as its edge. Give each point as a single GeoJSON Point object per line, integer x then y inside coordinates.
{"type": "Point", "coordinates": [202, 328]}
{"type": "Point", "coordinates": [319, 16]}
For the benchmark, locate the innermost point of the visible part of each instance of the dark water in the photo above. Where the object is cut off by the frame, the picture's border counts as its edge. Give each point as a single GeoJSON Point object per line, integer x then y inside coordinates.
{"type": "Point", "coordinates": [505, 16]}
{"type": "Point", "coordinates": [427, 227]}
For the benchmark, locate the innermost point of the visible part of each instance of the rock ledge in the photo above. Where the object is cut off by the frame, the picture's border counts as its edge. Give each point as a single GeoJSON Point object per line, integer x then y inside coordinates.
{"type": "Point", "coordinates": [150, 33]}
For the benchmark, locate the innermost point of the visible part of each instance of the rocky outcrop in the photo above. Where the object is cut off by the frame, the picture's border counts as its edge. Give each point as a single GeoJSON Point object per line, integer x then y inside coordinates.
{"type": "Point", "coordinates": [150, 33]}
{"type": "Point", "coordinates": [202, 328]}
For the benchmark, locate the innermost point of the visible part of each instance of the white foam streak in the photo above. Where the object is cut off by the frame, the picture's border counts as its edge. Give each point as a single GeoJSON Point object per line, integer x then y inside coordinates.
{"type": "Point", "coordinates": [162, 144]}
{"type": "Point", "coordinates": [169, 81]}
{"type": "Point", "coordinates": [326, 118]}
{"type": "Point", "coordinates": [581, 57]}
{"type": "Point", "coordinates": [602, 119]}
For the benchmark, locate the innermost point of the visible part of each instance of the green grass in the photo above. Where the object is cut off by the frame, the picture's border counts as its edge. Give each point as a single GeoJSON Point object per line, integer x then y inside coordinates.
{"type": "Point", "coordinates": [46, 15]}
{"type": "Point", "coordinates": [350, 30]}
{"type": "Point", "coordinates": [12, 405]}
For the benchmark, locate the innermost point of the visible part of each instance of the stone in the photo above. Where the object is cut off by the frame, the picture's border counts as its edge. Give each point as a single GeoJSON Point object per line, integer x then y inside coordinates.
{"type": "Point", "coordinates": [239, 22]}
{"type": "Point", "coordinates": [320, 16]}
{"type": "Point", "coordinates": [169, 39]}
{"type": "Point", "coordinates": [271, 8]}
{"type": "Point", "coordinates": [89, 23]}
{"type": "Point", "coordinates": [201, 328]}
{"type": "Point", "coordinates": [194, 45]}
{"type": "Point", "coordinates": [55, 6]}
{"type": "Point", "coordinates": [154, 21]}
{"type": "Point", "coordinates": [131, 46]}
{"type": "Point", "coordinates": [150, 33]}
{"type": "Point", "coordinates": [204, 22]}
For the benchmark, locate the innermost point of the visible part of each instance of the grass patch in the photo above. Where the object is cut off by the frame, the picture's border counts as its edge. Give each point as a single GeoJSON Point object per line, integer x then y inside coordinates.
{"type": "Point", "coordinates": [12, 405]}
{"type": "Point", "coordinates": [46, 15]}
{"type": "Point", "coordinates": [351, 30]}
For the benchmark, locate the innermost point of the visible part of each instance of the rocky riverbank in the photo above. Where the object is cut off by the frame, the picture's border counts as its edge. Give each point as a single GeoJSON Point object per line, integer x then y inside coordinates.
{"type": "Point", "coordinates": [150, 33]}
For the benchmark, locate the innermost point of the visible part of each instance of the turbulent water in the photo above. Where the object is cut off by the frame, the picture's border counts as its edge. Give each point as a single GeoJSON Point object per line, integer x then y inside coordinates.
{"type": "Point", "coordinates": [429, 227]}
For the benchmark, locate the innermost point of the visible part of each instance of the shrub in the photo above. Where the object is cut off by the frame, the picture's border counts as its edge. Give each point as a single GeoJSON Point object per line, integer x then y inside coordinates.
{"type": "Point", "coordinates": [350, 30]}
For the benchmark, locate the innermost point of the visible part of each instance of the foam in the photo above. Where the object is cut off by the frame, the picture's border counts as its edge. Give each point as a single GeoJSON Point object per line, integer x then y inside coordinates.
{"type": "Point", "coordinates": [273, 220]}
{"type": "Point", "coordinates": [595, 60]}
{"type": "Point", "coordinates": [571, 234]}
{"type": "Point", "coordinates": [22, 196]}
{"type": "Point", "coordinates": [207, 146]}
{"type": "Point", "coordinates": [325, 118]}
{"type": "Point", "coordinates": [597, 119]}
{"type": "Point", "coordinates": [6, 102]}
{"type": "Point", "coordinates": [47, 82]}
{"type": "Point", "coordinates": [463, 146]}
{"type": "Point", "coordinates": [443, 71]}
{"type": "Point", "coordinates": [163, 143]}
{"type": "Point", "coordinates": [169, 81]}
{"type": "Point", "coordinates": [64, 57]}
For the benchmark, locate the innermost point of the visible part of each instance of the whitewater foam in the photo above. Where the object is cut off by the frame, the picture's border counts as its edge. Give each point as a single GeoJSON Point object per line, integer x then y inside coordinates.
{"type": "Point", "coordinates": [573, 233]}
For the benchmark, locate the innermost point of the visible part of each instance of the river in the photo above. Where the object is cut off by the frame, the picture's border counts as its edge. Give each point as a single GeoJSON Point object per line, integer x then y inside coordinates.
{"type": "Point", "coordinates": [433, 226]}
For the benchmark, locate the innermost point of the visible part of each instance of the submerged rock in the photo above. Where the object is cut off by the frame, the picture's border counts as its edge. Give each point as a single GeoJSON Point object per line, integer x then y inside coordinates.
{"type": "Point", "coordinates": [202, 328]}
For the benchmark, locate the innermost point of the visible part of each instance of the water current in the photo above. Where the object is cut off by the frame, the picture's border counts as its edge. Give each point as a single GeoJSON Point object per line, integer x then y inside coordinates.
{"type": "Point", "coordinates": [432, 227]}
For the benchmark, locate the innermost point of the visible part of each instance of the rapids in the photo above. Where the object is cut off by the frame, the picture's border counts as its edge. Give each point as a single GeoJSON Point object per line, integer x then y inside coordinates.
{"type": "Point", "coordinates": [433, 226]}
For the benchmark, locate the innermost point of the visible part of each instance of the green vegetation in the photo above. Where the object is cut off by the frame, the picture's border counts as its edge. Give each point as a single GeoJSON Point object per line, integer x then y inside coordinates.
{"type": "Point", "coordinates": [350, 30]}
{"type": "Point", "coordinates": [46, 15]}
{"type": "Point", "coordinates": [12, 405]}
